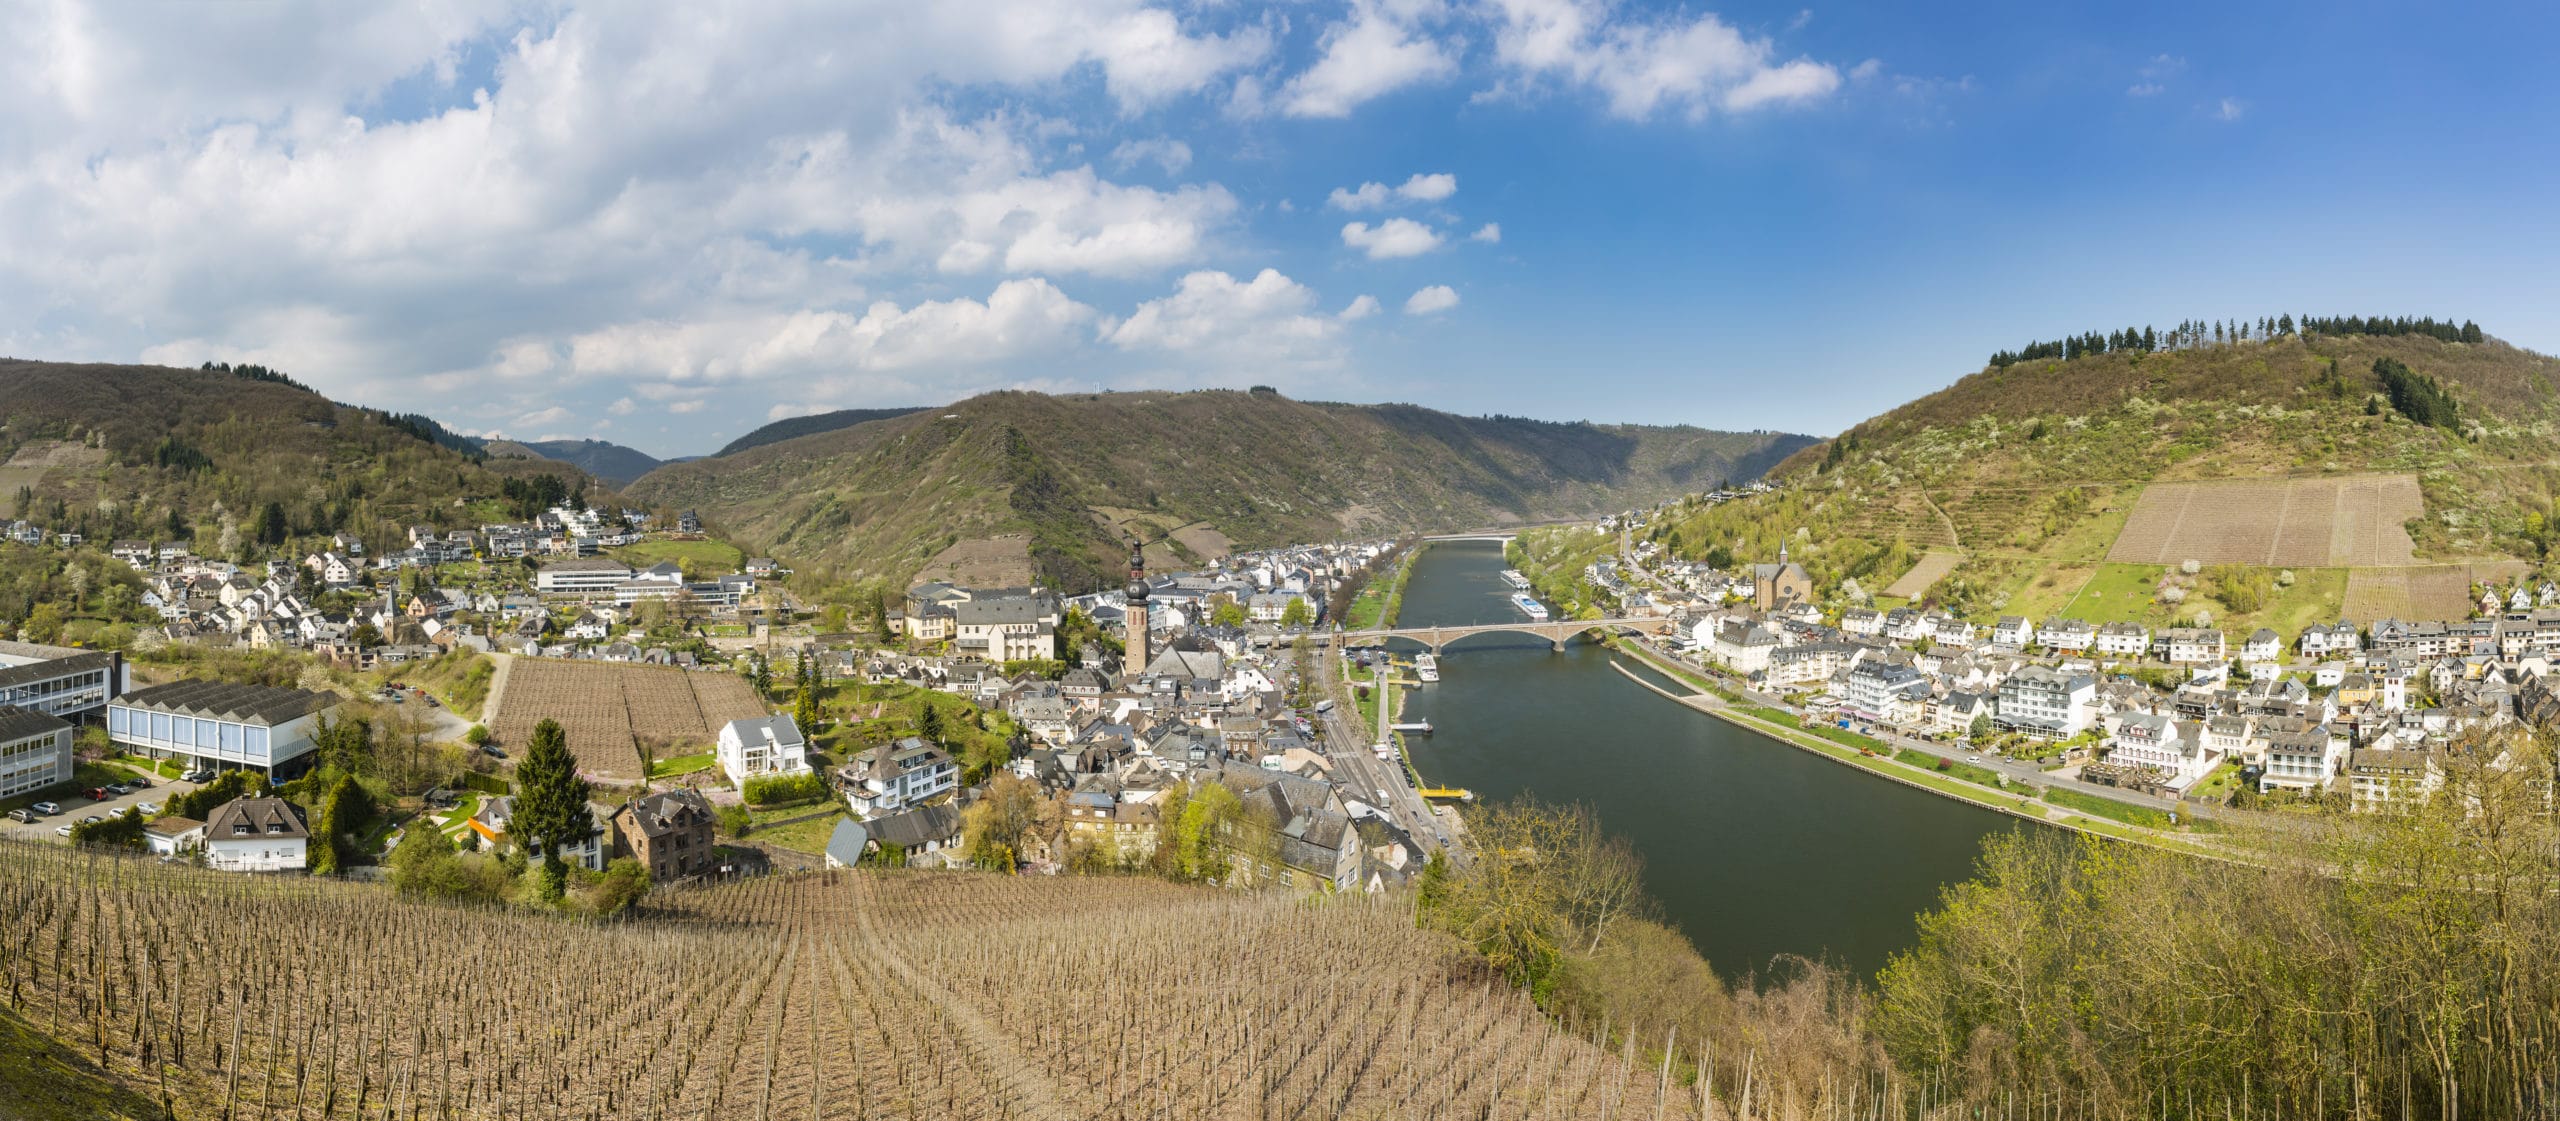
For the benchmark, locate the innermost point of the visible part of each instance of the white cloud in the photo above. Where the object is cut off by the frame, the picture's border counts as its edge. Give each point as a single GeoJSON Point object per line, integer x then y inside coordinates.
{"type": "Point", "coordinates": [1490, 233]}
{"type": "Point", "coordinates": [1432, 300]}
{"type": "Point", "coordinates": [1170, 155]}
{"type": "Point", "coordinates": [682, 407]}
{"type": "Point", "coordinates": [1395, 237]}
{"type": "Point", "coordinates": [1211, 314]}
{"type": "Point", "coordinates": [2230, 109]}
{"type": "Point", "coordinates": [621, 406]}
{"type": "Point", "coordinates": [1361, 307]}
{"type": "Point", "coordinates": [2145, 89]}
{"type": "Point", "coordinates": [1372, 53]}
{"type": "Point", "coordinates": [540, 417]}
{"type": "Point", "coordinates": [1421, 187]}
{"type": "Point", "coordinates": [408, 207]}
{"type": "Point", "coordinates": [1641, 66]}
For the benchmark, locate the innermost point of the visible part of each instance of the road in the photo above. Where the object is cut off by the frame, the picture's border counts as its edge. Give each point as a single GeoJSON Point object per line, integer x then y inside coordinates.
{"type": "Point", "coordinates": [1362, 774]}
{"type": "Point", "coordinates": [77, 806]}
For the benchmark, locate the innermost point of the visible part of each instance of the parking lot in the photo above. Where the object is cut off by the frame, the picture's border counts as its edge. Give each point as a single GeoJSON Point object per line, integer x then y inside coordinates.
{"type": "Point", "coordinates": [76, 805]}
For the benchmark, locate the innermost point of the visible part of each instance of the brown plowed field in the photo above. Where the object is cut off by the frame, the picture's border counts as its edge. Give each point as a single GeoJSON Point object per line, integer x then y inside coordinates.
{"type": "Point", "coordinates": [609, 708]}
{"type": "Point", "coordinates": [2357, 520]}
{"type": "Point", "coordinates": [1929, 571]}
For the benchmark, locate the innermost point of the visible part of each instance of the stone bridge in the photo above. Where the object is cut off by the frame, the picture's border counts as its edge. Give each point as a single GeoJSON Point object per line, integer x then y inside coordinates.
{"type": "Point", "coordinates": [1555, 631]}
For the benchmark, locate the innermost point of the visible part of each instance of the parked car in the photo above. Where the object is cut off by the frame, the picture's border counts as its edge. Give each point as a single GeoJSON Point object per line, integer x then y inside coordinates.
{"type": "Point", "coordinates": [21, 816]}
{"type": "Point", "coordinates": [120, 811]}
{"type": "Point", "coordinates": [47, 809]}
{"type": "Point", "coordinates": [92, 819]}
{"type": "Point", "coordinates": [117, 790]}
{"type": "Point", "coordinates": [63, 830]}
{"type": "Point", "coordinates": [149, 809]}
{"type": "Point", "coordinates": [138, 782]}
{"type": "Point", "coordinates": [494, 751]}
{"type": "Point", "coordinates": [199, 775]}
{"type": "Point", "coordinates": [97, 795]}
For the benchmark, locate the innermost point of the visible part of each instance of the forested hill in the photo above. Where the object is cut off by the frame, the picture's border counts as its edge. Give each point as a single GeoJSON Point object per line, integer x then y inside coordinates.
{"type": "Point", "coordinates": [611, 464]}
{"type": "Point", "coordinates": [790, 428]}
{"type": "Point", "coordinates": [878, 499]}
{"type": "Point", "coordinates": [160, 453]}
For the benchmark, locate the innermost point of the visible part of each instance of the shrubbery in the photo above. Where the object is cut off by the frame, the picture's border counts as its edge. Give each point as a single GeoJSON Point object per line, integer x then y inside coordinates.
{"type": "Point", "coordinates": [777, 790]}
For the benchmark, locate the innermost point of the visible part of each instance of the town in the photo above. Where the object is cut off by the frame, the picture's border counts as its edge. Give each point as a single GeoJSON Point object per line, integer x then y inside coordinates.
{"type": "Point", "coordinates": [718, 725]}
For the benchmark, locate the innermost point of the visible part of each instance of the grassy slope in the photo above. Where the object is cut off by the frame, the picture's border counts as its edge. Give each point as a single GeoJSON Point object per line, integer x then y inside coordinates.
{"type": "Point", "coordinates": [877, 499]}
{"type": "Point", "coordinates": [2030, 470]}
{"type": "Point", "coordinates": [268, 442]}
{"type": "Point", "coordinates": [46, 1081]}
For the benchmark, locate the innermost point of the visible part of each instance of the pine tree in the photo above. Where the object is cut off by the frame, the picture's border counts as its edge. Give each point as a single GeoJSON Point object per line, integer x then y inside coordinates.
{"type": "Point", "coordinates": [551, 802]}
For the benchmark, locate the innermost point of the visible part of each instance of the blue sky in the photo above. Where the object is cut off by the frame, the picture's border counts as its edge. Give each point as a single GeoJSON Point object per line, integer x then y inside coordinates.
{"type": "Point", "coordinates": [662, 228]}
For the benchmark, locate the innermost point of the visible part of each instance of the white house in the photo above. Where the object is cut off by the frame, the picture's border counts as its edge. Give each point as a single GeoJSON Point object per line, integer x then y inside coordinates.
{"type": "Point", "coordinates": [2189, 646]}
{"type": "Point", "coordinates": [2149, 740]}
{"type": "Point", "coordinates": [896, 775]}
{"type": "Point", "coordinates": [2262, 646]}
{"type": "Point", "coordinates": [257, 835]}
{"type": "Point", "coordinates": [2068, 636]}
{"type": "Point", "coordinates": [2014, 630]}
{"type": "Point", "coordinates": [1862, 621]}
{"type": "Point", "coordinates": [2124, 640]}
{"type": "Point", "coordinates": [2046, 702]}
{"type": "Point", "coordinates": [2306, 759]}
{"type": "Point", "coordinates": [770, 745]}
{"type": "Point", "coordinates": [172, 836]}
{"type": "Point", "coordinates": [1743, 647]}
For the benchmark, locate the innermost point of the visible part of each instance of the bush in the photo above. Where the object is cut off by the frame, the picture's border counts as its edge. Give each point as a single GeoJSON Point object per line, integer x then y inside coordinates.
{"type": "Point", "coordinates": [624, 881]}
{"type": "Point", "coordinates": [778, 790]}
{"type": "Point", "coordinates": [733, 820]}
{"type": "Point", "coordinates": [477, 735]}
{"type": "Point", "coordinates": [121, 832]}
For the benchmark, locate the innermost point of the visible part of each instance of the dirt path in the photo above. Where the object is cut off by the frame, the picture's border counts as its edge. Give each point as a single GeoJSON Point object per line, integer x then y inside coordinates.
{"type": "Point", "coordinates": [497, 688]}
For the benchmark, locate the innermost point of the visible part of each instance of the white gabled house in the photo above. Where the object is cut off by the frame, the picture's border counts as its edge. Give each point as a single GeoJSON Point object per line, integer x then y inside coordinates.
{"type": "Point", "coordinates": [763, 747]}
{"type": "Point", "coordinates": [898, 774]}
{"type": "Point", "coordinates": [257, 835]}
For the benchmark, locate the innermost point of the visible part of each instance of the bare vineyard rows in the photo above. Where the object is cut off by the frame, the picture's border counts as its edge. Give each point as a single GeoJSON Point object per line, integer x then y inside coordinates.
{"type": "Point", "coordinates": [604, 706]}
{"type": "Point", "coordinates": [821, 995]}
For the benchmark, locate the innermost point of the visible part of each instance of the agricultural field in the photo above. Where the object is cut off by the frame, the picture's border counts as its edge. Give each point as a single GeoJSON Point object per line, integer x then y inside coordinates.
{"type": "Point", "coordinates": [2433, 591]}
{"type": "Point", "coordinates": [711, 558]}
{"type": "Point", "coordinates": [2295, 523]}
{"type": "Point", "coordinates": [29, 465]}
{"type": "Point", "coordinates": [1003, 561]}
{"type": "Point", "coordinates": [1932, 568]}
{"type": "Point", "coordinates": [2129, 593]}
{"type": "Point", "coordinates": [609, 709]}
{"type": "Point", "coordinates": [843, 994]}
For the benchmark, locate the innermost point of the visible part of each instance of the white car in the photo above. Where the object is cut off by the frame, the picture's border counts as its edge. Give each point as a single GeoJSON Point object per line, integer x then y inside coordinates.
{"type": "Point", "coordinates": [149, 809]}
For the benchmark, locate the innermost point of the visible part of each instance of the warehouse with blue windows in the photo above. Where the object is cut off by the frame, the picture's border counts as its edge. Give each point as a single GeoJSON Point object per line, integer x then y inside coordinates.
{"type": "Point", "coordinates": [220, 726]}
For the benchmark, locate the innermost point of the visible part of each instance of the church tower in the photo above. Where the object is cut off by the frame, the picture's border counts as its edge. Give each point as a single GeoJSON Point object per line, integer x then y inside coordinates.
{"type": "Point", "coordinates": [1133, 659]}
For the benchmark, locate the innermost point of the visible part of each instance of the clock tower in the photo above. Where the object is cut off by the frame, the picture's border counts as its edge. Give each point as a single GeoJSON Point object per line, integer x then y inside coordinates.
{"type": "Point", "coordinates": [1133, 659]}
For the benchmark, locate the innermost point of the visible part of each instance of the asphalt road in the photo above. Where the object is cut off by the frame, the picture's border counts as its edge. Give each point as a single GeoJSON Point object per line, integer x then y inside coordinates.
{"type": "Point", "coordinates": [1363, 774]}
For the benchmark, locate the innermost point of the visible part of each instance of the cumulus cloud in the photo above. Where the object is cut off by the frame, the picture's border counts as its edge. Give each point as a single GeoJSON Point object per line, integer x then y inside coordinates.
{"type": "Point", "coordinates": [1269, 318]}
{"type": "Point", "coordinates": [1169, 155]}
{"type": "Point", "coordinates": [1431, 300]}
{"type": "Point", "coordinates": [2230, 109]}
{"type": "Point", "coordinates": [1395, 237]}
{"type": "Point", "coordinates": [1490, 233]}
{"type": "Point", "coordinates": [402, 205]}
{"type": "Point", "coordinates": [1644, 65]}
{"type": "Point", "coordinates": [622, 406]}
{"type": "Point", "coordinates": [1373, 52]}
{"type": "Point", "coordinates": [1361, 307]}
{"type": "Point", "coordinates": [1421, 187]}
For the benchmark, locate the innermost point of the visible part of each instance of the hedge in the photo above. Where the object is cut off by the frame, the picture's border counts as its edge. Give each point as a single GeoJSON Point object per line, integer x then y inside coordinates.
{"type": "Point", "coordinates": [773, 790]}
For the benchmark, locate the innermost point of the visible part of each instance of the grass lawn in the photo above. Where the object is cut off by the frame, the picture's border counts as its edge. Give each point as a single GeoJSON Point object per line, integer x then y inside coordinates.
{"type": "Point", "coordinates": [714, 557]}
{"type": "Point", "coordinates": [165, 768]}
{"type": "Point", "coordinates": [2107, 807]}
{"type": "Point", "coordinates": [2049, 592]}
{"type": "Point", "coordinates": [2117, 593]}
{"type": "Point", "coordinates": [683, 765]}
{"type": "Point", "coordinates": [1982, 776]}
{"type": "Point", "coordinates": [461, 812]}
{"type": "Point", "coordinates": [806, 836]}
{"type": "Point", "coordinates": [757, 817]}
{"type": "Point", "coordinates": [2222, 783]}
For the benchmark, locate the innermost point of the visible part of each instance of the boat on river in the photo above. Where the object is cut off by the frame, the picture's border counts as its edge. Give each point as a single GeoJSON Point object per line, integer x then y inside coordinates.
{"type": "Point", "coordinates": [1426, 667]}
{"type": "Point", "coordinates": [1512, 577]}
{"type": "Point", "coordinates": [1529, 607]}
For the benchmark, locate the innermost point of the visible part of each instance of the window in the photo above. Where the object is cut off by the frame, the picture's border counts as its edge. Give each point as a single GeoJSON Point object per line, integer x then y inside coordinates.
{"type": "Point", "coordinates": [230, 737]}
{"type": "Point", "coordinates": [257, 739]}
{"type": "Point", "coordinates": [116, 719]}
{"type": "Point", "coordinates": [182, 729]}
{"type": "Point", "coordinates": [159, 725]}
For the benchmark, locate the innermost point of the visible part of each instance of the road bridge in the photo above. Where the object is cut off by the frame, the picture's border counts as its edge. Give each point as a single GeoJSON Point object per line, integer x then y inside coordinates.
{"type": "Point", "coordinates": [1496, 537]}
{"type": "Point", "coordinates": [1556, 631]}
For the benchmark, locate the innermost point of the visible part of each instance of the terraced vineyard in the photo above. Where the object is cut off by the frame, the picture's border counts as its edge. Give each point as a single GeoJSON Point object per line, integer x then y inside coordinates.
{"type": "Point", "coordinates": [821, 995]}
{"type": "Point", "coordinates": [2359, 520]}
{"type": "Point", "coordinates": [608, 709]}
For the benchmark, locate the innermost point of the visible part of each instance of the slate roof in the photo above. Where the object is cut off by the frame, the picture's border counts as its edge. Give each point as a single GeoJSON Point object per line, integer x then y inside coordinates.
{"type": "Point", "coordinates": [845, 845]}
{"type": "Point", "coordinates": [918, 827]}
{"type": "Point", "coordinates": [262, 817]}
{"type": "Point", "coordinates": [55, 661]}
{"type": "Point", "coordinates": [26, 723]}
{"type": "Point", "coordinates": [248, 704]}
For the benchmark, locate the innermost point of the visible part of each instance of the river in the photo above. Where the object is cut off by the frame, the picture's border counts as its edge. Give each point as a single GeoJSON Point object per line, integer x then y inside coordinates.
{"type": "Point", "coordinates": [1754, 848]}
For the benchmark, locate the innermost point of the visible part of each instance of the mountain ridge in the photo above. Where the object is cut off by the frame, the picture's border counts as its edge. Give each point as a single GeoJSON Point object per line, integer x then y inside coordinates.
{"type": "Point", "coordinates": [1076, 472]}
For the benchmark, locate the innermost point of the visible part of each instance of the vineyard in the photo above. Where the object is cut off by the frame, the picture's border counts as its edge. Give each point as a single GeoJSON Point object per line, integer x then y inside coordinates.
{"type": "Point", "coordinates": [609, 709]}
{"type": "Point", "coordinates": [2298, 523]}
{"type": "Point", "coordinates": [821, 995]}
{"type": "Point", "coordinates": [2430, 591]}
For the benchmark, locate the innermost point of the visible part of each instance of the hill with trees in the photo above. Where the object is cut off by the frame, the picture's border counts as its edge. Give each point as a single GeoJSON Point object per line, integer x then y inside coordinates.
{"type": "Point", "coordinates": [2030, 467]}
{"type": "Point", "coordinates": [1076, 473]}
{"type": "Point", "coordinates": [791, 428]}
{"type": "Point", "coordinates": [166, 454]}
{"type": "Point", "coordinates": [610, 463]}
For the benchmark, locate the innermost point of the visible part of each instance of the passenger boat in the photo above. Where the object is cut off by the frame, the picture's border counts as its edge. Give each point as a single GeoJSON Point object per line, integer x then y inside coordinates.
{"type": "Point", "coordinates": [1529, 607]}
{"type": "Point", "coordinates": [1426, 667]}
{"type": "Point", "coordinates": [1512, 577]}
